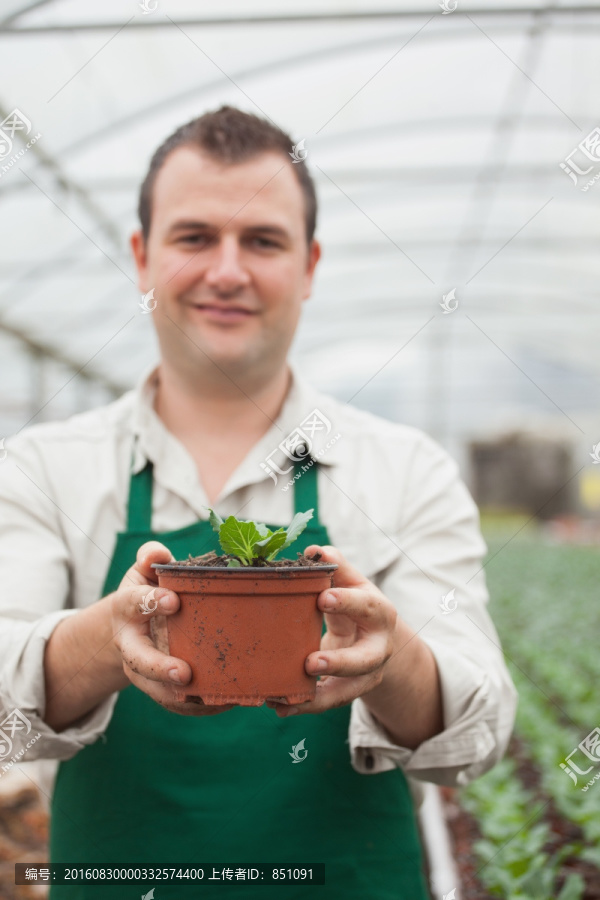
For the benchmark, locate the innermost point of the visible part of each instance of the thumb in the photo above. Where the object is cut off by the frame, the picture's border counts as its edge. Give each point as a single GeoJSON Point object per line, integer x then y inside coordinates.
{"type": "Point", "coordinates": [141, 571]}
{"type": "Point", "coordinates": [346, 575]}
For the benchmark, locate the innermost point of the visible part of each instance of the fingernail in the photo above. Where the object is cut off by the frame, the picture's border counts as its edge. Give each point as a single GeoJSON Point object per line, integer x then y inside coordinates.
{"type": "Point", "coordinates": [330, 601]}
{"type": "Point", "coordinates": [166, 602]}
{"type": "Point", "coordinates": [321, 664]}
{"type": "Point", "coordinates": [174, 676]}
{"type": "Point", "coordinates": [290, 712]}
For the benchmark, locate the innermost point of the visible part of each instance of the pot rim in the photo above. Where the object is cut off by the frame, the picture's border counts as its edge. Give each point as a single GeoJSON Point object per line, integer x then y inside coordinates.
{"type": "Point", "coordinates": [235, 570]}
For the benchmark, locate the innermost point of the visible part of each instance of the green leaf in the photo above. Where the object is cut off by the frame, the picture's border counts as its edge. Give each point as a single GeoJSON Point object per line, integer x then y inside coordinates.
{"type": "Point", "coordinates": [272, 546]}
{"type": "Point", "coordinates": [297, 526]}
{"type": "Point", "coordinates": [591, 854]}
{"type": "Point", "coordinates": [573, 888]}
{"type": "Point", "coordinates": [215, 519]}
{"type": "Point", "coordinates": [233, 564]}
{"type": "Point", "coordinates": [248, 541]}
{"type": "Point", "coordinates": [238, 538]}
{"type": "Point", "coordinates": [266, 538]}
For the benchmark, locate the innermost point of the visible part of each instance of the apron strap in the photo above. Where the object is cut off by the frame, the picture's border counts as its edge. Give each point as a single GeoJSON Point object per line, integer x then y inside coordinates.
{"type": "Point", "coordinates": [305, 489]}
{"type": "Point", "coordinates": [139, 511]}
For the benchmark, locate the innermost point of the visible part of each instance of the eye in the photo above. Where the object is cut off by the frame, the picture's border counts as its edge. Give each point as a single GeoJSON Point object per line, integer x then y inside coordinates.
{"type": "Point", "coordinates": [195, 239]}
{"type": "Point", "coordinates": [265, 242]}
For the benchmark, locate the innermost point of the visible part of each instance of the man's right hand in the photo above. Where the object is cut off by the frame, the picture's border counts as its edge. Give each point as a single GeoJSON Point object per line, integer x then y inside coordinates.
{"type": "Point", "coordinates": [147, 667]}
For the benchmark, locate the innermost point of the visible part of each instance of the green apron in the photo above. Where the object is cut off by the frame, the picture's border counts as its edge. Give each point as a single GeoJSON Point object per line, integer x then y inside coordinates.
{"type": "Point", "coordinates": [161, 788]}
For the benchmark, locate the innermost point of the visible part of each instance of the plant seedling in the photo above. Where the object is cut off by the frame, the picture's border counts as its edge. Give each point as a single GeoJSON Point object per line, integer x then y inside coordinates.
{"type": "Point", "coordinates": [248, 541]}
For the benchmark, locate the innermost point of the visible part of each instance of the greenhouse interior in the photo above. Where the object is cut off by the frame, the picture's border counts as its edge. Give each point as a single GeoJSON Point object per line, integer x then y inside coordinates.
{"type": "Point", "coordinates": [450, 143]}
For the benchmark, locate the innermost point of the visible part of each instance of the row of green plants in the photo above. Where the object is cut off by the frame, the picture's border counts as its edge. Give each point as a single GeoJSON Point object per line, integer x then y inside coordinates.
{"type": "Point", "coordinates": [545, 612]}
{"type": "Point", "coordinates": [543, 607]}
{"type": "Point", "coordinates": [513, 863]}
{"type": "Point", "coordinates": [573, 694]}
{"type": "Point", "coordinates": [548, 743]}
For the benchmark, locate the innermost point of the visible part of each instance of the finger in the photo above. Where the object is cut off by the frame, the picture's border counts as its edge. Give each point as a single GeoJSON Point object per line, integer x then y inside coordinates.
{"type": "Point", "coordinates": [134, 607]}
{"type": "Point", "coordinates": [163, 695]}
{"type": "Point", "coordinates": [193, 709]}
{"type": "Point", "coordinates": [141, 603]}
{"type": "Point", "coordinates": [142, 572]}
{"type": "Point", "coordinates": [346, 575]}
{"type": "Point", "coordinates": [144, 659]}
{"type": "Point", "coordinates": [366, 606]}
{"type": "Point", "coordinates": [332, 693]}
{"type": "Point", "coordinates": [368, 654]}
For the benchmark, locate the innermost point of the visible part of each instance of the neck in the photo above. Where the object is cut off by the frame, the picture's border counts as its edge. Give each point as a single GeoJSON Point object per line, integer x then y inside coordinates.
{"type": "Point", "coordinates": [202, 408]}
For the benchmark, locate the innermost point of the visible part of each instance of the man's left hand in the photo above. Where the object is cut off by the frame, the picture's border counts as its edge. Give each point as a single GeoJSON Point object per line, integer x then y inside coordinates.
{"type": "Point", "coordinates": [360, 638]}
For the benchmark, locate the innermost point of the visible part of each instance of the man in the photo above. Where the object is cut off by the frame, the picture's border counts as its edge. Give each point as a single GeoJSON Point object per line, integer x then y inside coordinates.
{"type": "Point", "coordinates": [227, 245]}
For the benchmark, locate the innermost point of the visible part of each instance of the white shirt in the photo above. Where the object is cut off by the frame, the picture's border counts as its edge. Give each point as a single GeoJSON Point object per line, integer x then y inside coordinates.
{"type": "Point", "coordinates": [392, 502]}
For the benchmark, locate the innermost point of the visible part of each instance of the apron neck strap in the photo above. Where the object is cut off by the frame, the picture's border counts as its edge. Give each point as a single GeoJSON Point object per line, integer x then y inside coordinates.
{"type": "Point", "coordinates": [139, 512]}
{"type": "Point", "coordinates": [305, 489]}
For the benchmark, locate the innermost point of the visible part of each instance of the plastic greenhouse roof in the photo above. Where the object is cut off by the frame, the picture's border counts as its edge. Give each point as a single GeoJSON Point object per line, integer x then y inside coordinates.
{"type": "Point", "coordinates": [436, 142]}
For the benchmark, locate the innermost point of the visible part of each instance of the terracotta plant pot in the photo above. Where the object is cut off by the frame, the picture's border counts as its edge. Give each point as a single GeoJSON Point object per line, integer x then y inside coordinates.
{"type": "Point", "coordinates": [246, 632]}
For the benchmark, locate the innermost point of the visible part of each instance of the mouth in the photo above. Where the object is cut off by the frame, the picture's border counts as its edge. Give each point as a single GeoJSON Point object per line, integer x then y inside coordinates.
{"type": "Point", "coordinates": [223, 313]}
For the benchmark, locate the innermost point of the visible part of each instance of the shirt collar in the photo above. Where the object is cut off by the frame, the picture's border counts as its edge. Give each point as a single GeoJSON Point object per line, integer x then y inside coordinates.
{"type": "Point", "coordinates": [307, 417]}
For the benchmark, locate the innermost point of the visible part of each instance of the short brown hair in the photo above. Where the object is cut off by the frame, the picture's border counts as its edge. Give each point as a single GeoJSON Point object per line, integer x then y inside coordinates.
{"type": "Point", "coordinates": [230, 136]}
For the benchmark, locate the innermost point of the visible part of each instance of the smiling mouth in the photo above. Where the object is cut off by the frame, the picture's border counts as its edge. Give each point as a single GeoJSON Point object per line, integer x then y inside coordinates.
{"type": "Point", "coordinates": [225, 311]}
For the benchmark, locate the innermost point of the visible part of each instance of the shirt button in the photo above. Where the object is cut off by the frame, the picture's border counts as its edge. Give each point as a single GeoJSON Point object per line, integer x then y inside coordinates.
{"type": "Point", "coordinates": [369, 761]}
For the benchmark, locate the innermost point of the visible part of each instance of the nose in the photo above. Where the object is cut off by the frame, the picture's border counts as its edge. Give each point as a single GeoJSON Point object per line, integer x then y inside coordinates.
{"type": "Point", "coordinates": [226, 273]}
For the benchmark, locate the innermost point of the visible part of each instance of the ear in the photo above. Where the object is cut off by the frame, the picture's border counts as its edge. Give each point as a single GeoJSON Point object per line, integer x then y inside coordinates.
{"type": "Point", "coordinates": [140, 255]}
{"type": "Point", "coordinates": [314, 255]}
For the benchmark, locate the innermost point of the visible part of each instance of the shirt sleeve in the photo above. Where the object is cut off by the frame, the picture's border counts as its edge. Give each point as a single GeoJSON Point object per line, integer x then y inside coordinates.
{"type": "Point", "coordinates": [34, 575]}
{"type": "Point", "coordinates": [441, 550]}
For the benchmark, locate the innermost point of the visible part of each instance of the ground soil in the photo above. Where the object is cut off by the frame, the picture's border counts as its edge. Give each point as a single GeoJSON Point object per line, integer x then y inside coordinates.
{"type": "Point", "coordinates": [23, 837]}
{"type": "Point", "coordinates": [211, 559]}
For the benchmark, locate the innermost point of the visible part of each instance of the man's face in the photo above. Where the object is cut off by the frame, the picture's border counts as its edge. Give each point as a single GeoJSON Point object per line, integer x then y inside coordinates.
{"type": "Point", "coordinates": [226, 238]}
